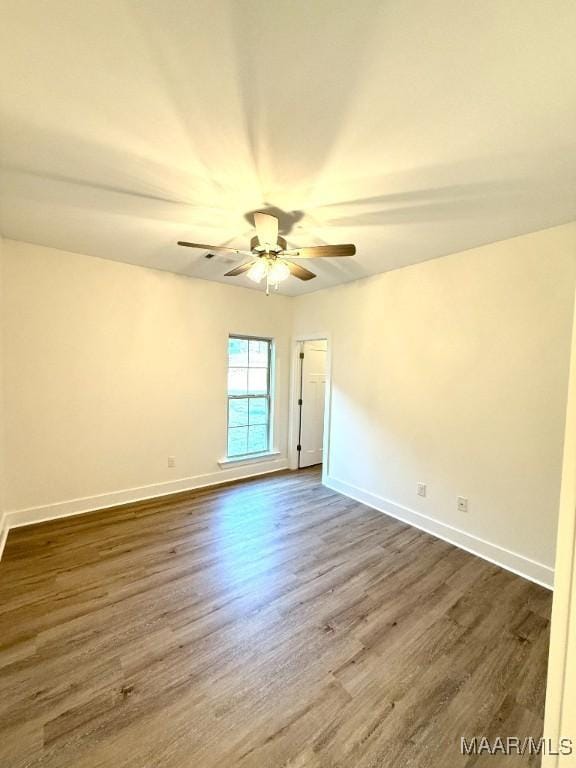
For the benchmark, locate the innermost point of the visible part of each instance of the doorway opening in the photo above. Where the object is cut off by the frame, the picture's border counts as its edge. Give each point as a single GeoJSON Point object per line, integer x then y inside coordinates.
{"type": "Point", "coordinates": [310, 406]}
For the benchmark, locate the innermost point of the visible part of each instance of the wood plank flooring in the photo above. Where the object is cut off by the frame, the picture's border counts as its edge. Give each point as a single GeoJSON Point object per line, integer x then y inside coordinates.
{"type": "Point", "coordinates": [266, 624]}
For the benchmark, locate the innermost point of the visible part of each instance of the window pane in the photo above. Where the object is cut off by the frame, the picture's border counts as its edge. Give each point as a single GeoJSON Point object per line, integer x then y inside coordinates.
{"type": "Point", "coordinates": [258, 411]}
{"type": "Point", "coordinates": [248, 375]}
{"type": "Point", "coordinates": [257, 381]}
{"type": "Point", "coordinates": [257, 439]}
{"type": "Point", "coordinates": [238, 413]}
{"type": "Point", "coordinates": [258, 354]}
{"type": "Point", "coordinates": [237, 353]}
{"type": "Point", "coordinates": [237, 441]}
{"type": "Point", "coordinates": [237, 381]}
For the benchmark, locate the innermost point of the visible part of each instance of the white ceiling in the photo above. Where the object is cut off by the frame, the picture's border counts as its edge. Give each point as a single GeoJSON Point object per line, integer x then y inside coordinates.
{"type": "Point", "coordinates": [413, 129]}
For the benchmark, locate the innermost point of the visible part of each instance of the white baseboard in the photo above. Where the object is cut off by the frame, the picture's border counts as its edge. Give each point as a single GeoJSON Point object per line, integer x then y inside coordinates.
{"type": "Point", "coordinates": [512, 561]}
{"type": "Point", "coordinates": [3, 533]}
{"type": "Point", "coordinates": [18, 517]}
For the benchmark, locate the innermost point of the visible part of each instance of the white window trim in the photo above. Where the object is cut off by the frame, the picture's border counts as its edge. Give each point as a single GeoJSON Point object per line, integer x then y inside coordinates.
{"type": "Point", "coordinates": [251, 458]}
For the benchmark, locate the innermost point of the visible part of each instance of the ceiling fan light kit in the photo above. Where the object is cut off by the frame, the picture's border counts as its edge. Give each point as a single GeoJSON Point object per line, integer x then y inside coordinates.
{"type": "Point", "coordinates": [274, 270]}
{"type": "Point", "coordinates": [267, 249]}
{"type": "Point", "coordinates": [257, 271]}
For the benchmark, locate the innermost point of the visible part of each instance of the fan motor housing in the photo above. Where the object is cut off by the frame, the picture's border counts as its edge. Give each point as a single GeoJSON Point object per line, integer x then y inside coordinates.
{"type": "Point", "coordinates": [255, 246]}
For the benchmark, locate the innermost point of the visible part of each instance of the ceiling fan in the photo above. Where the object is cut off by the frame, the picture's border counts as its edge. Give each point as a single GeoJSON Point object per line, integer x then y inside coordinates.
{"type": "Point", "coordinates": [267, 252]}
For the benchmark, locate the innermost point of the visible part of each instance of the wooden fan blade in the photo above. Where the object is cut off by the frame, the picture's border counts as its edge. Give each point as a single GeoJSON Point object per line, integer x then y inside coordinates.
{"type": "Point", "coordinates": [266, 229]}
{"type": "Point", "coordinates": [300, 272]}
{"type": "Point", "coordinates": [314, 251]}
{"type": "Point", "coordinates": [239, 270]}
{"type": "Point", "coordinates": [216, 248]}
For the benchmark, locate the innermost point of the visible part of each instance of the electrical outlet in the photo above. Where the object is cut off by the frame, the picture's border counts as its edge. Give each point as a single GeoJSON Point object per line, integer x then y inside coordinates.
{"type": "Point", "coordinates": [462, 504]}
{"type": "Point", "coordinates": [421, 489]}
{"type": "Point", "coordinates": [171, 461]}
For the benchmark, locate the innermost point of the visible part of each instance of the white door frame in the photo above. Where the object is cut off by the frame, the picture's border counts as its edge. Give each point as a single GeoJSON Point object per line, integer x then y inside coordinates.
{"type": "Point", "coordinates": [293, 414]}
{"type": "Point", "coordinates": [560, 720]}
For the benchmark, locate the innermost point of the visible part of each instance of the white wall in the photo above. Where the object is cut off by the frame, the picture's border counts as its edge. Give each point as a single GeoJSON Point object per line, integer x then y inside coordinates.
{"type": "Point", "coordinates": [454, 373]}
{"type": "Point", "coordinates": [3, 531]}
{"type": "Point", "coordinates": [111, 368]}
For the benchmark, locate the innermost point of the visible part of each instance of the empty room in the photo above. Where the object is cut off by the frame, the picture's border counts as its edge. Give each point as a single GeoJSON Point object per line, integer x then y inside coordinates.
{"type": "Point", "coordinates": [287, 384]}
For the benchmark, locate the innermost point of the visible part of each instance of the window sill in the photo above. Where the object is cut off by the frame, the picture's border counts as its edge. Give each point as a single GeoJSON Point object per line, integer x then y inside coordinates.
{"type": "Point", "coordinates": [253, 458]}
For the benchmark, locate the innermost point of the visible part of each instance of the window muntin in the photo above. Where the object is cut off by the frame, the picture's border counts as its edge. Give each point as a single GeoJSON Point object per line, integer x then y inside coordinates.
{"type": "Point", "coordinates": [249, 361]}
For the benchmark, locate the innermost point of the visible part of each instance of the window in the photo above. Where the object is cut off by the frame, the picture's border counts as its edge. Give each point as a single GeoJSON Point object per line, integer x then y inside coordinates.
{"type": "Point", "coordinates": [248, 395]}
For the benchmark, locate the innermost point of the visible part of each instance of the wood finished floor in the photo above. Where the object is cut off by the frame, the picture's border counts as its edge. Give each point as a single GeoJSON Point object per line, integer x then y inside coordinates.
{"type": "Point", "coordinates": [266, 624]}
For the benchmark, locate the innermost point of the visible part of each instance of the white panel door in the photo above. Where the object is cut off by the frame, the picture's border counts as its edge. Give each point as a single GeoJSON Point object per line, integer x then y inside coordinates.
{"type": "Point", "coordinates": [313, 398]}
